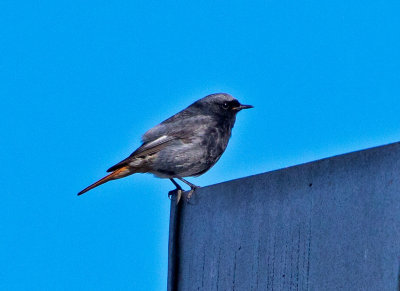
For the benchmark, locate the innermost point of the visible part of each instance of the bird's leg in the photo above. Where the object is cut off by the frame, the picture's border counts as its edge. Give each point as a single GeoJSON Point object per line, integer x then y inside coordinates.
{"type": "Point", "coordinates": [192, 187]}
{"type": "Point", "coordinates": [178, 191]}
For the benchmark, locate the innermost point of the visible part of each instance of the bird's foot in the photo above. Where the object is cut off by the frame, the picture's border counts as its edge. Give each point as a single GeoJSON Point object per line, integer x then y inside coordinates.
{"type": "Point", "coordinates": [177, 192]}
{"type": "Point", "coordinates": [193, 187]}
{"type": "Point", "coordinates": [191, 192]}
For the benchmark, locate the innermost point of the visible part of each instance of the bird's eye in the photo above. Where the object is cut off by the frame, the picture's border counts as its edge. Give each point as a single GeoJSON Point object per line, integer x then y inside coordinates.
{"type": "Point", "coordinates": [225, 105]}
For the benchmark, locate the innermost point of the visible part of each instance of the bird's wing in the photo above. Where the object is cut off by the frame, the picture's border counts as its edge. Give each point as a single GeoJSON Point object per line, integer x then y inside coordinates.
{"type": "Point", "coordinates": [145, 149]}
{"type": "Point", "coordinates": [162, 135]}
{"type": "Point", "coordinates": [153, 146]}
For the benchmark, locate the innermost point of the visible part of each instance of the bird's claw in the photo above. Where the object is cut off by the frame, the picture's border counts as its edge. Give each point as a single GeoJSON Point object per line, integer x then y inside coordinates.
{"type": "Point", "coordinates": [177, 192]}
{"type": "Point", "coordinates": [178, 195]}
{"type": "Point", "coordinates": [191, 193]}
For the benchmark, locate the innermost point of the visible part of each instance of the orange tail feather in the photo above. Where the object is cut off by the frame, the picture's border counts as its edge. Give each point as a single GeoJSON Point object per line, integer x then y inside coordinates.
{"type": "Point", "coordinates": [120, 173]}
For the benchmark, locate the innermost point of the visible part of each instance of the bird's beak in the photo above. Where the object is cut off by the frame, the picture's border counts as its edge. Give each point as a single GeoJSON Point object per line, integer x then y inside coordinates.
{"type": "Point", "coordinates": [242, 107]}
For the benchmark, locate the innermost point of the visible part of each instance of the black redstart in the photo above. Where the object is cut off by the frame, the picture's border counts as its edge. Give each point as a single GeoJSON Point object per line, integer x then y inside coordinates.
{"type": "Point", "coordinates": [186, 144]}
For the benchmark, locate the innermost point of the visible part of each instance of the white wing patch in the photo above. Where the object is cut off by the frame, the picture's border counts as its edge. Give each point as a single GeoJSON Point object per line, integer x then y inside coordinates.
{"type": "Point", "coordinates": [153, 146]}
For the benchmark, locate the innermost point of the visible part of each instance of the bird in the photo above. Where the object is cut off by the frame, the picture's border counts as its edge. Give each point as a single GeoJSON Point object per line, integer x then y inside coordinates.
{"type": "Point", "coordinates": [187, 144]}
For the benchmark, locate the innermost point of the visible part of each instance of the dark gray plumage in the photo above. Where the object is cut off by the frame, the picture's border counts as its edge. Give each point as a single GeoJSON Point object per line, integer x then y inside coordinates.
{"type": "Point", "coordinates": [186, 144]}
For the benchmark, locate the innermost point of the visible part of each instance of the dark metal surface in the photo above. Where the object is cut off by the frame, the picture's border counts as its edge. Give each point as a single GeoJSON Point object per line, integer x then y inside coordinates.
{"type": "Point", "coordinates": [332, 224]}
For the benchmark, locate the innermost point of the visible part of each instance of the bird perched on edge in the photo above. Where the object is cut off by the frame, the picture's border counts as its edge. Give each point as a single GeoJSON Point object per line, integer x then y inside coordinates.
{"type": "Point", "coordinates": [186, 144]}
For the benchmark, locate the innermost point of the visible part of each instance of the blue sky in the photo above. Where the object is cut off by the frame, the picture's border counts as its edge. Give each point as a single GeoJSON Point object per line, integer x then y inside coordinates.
{"type": "Point", "coordinates": [81, 81]}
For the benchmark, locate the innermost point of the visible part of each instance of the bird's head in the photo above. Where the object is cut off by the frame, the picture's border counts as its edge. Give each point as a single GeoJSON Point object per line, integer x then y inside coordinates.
{"type": "Point", "coordinates": [220, 104]}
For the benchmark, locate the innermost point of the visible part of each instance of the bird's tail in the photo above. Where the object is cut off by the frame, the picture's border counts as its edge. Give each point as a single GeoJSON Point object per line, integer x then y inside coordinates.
{"type": "Point", "coordinates": [119, 173]}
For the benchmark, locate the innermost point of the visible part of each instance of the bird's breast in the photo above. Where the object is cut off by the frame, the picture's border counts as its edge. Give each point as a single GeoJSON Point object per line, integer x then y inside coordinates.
{"type": "Point", "coordinates": [215, 141]}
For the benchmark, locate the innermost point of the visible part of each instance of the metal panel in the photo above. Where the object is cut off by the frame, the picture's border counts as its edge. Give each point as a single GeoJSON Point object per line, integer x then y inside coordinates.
{"type": "Point", "coordinates": [332, 224]}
